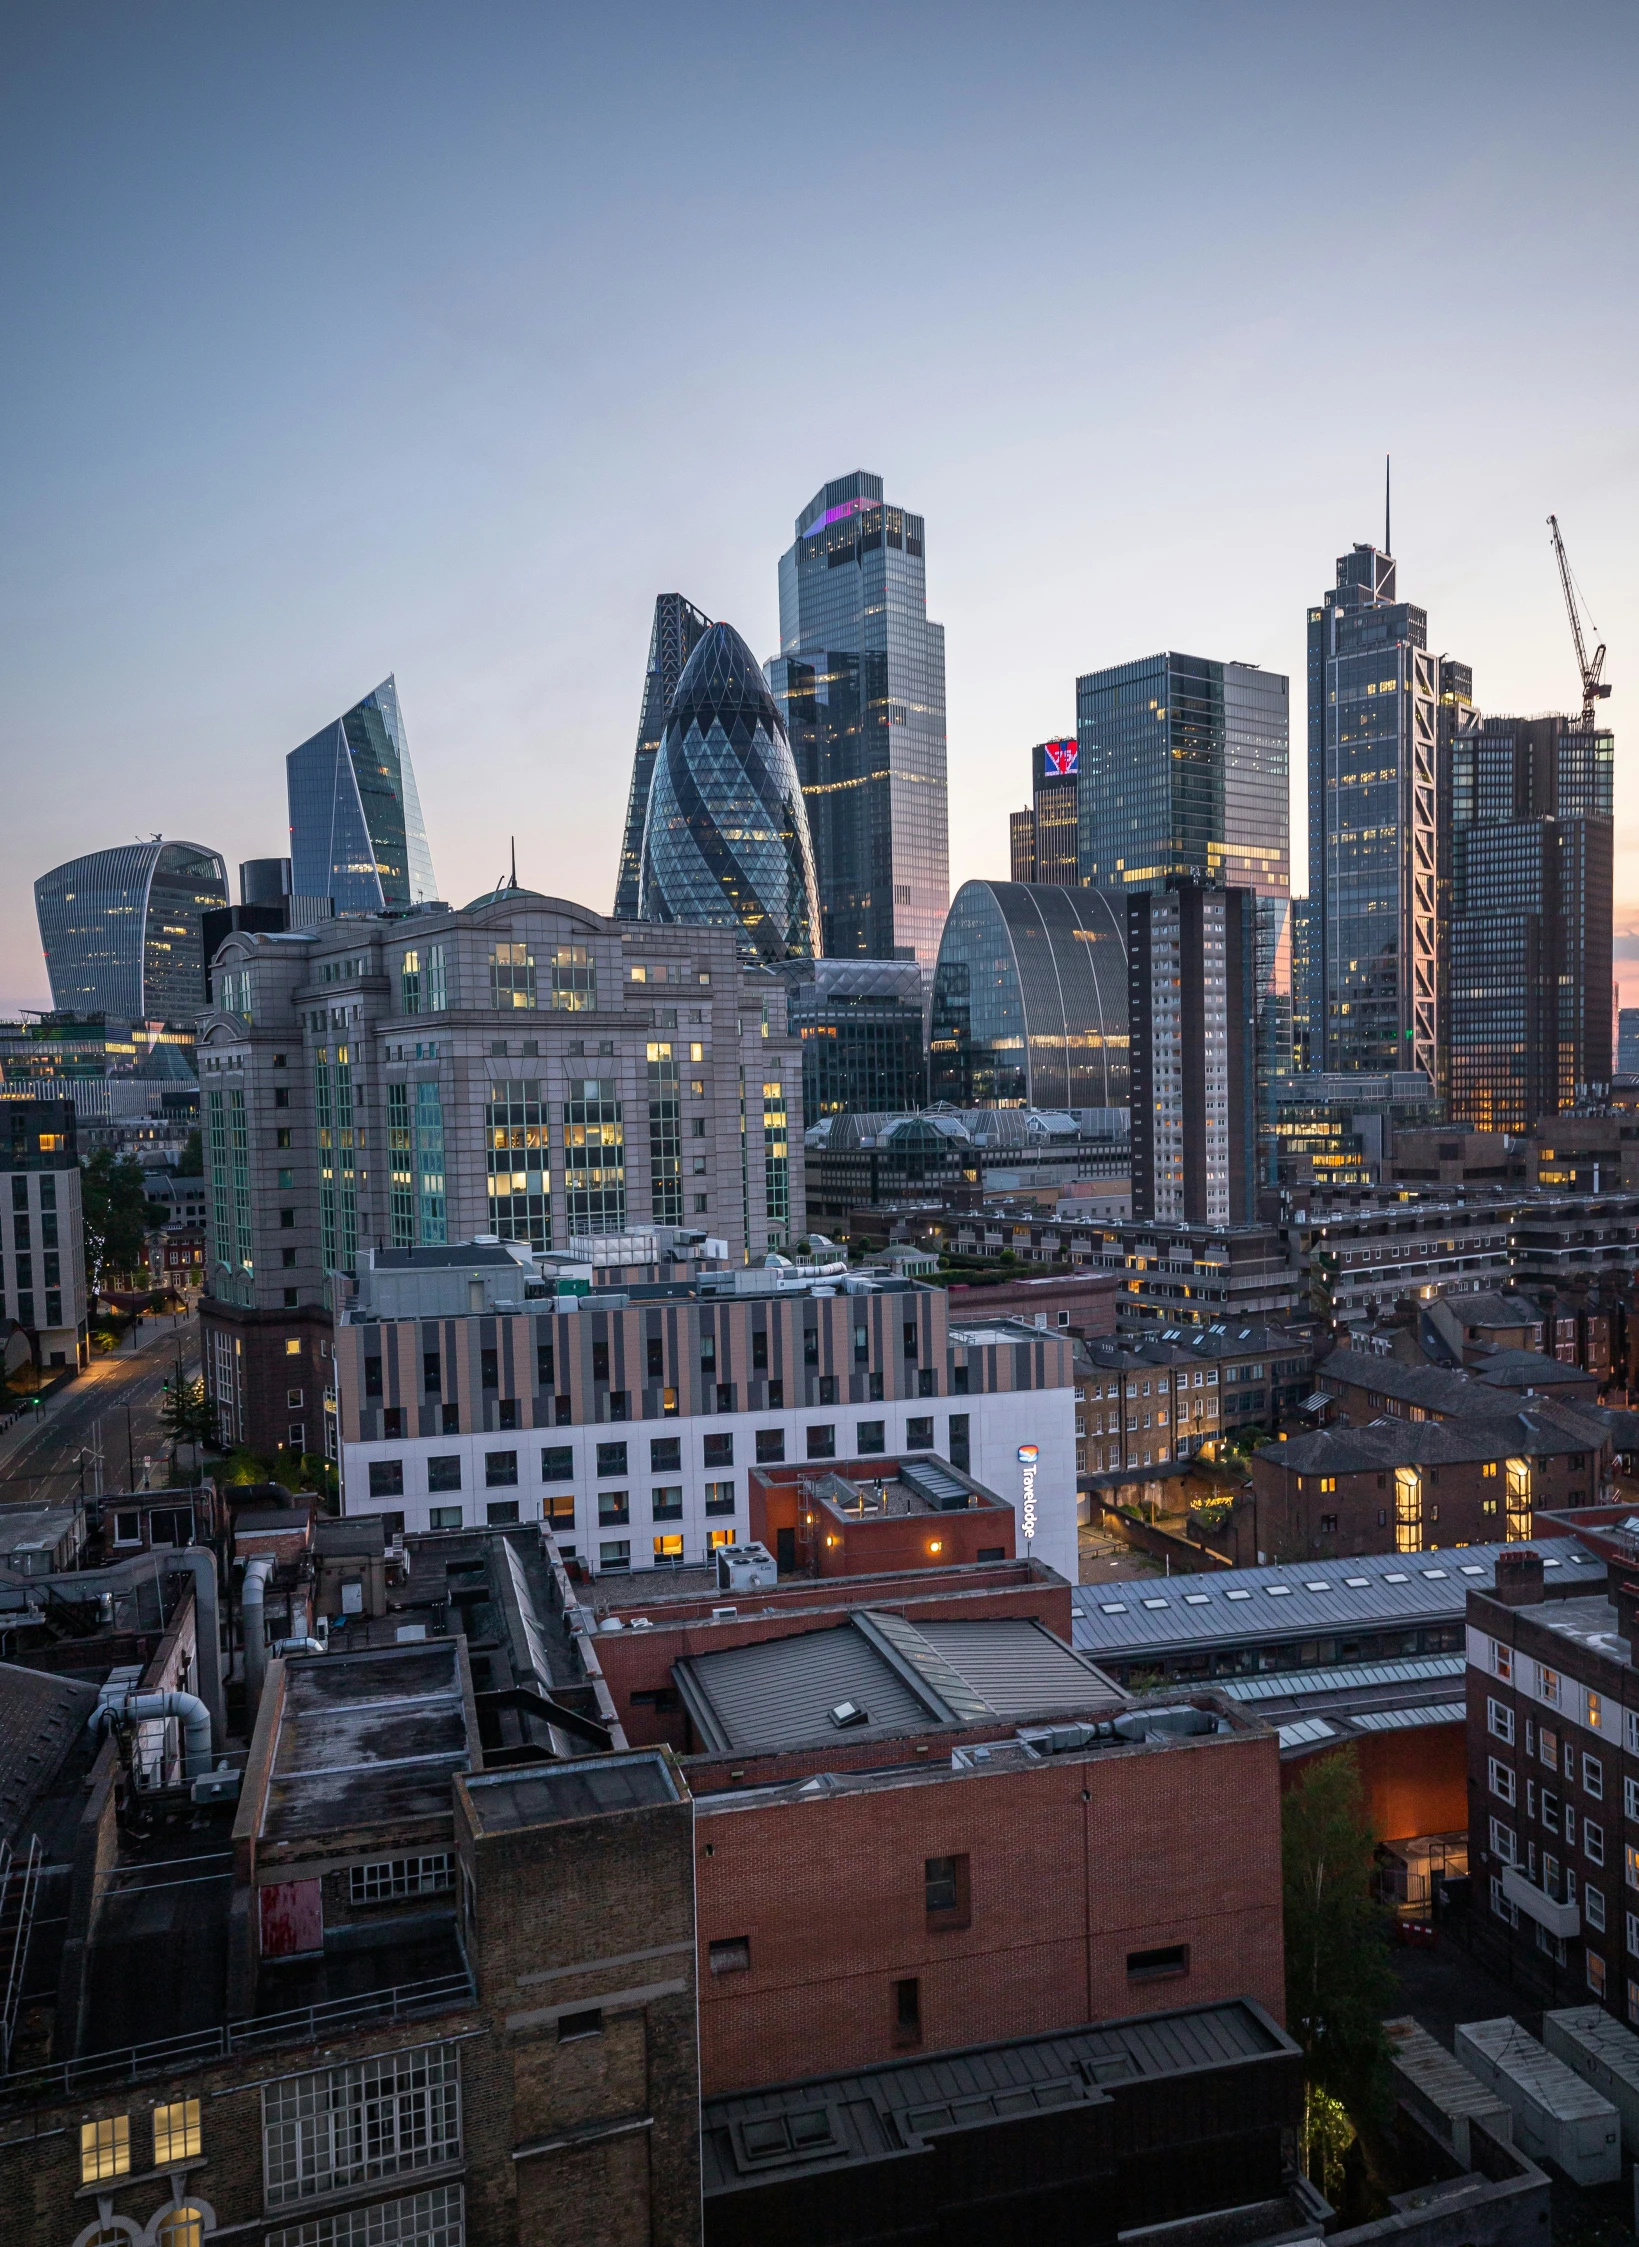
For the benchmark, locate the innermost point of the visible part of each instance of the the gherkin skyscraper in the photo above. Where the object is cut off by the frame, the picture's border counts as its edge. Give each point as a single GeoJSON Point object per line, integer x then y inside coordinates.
{"type": "Point", "coordinates": [726, 842]}
{"type": "Point", "coordinates": [678, 626]}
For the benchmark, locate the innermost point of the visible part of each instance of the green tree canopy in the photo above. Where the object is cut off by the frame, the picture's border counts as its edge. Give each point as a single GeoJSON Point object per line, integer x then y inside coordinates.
{"type": "Point", "coordinates": [1339, 1982]}
{"type": "Point", "coordinates": [114, 1196]}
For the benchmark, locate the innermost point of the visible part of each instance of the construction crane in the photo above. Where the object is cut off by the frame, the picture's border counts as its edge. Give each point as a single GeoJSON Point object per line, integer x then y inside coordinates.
{"type": "Point", "coordinates": [1594, 686]}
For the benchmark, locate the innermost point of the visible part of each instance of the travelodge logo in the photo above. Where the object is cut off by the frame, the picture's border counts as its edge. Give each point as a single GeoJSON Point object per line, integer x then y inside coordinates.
{"type": "Point", "coordinates": [1028, 1455]}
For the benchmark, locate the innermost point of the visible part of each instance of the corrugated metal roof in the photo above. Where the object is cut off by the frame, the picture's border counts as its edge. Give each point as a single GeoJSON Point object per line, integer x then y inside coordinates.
{"type": "Point", "coordinates": [782, 1691]}
{"type": "Point", "coordinates": [1020, 1667]}
{"type": "Point", "coordinates": [1250, 1606]}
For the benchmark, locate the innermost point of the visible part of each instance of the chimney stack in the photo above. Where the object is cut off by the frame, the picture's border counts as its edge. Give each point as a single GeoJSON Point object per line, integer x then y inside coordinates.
{"type": "Point", "coordinates": [1625, 1594]}
{"type": "Point", "coordinates": [1519, 1577]}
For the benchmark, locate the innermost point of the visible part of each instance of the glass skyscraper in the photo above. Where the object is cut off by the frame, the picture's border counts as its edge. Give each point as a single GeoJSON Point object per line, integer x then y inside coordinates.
{"type": "Point", "coordinates": [1374, 728]}
{"type": "Point", "coordinates": [1184, 771]}
{"type": "Point", "coordinates": [356, 831]}
{"type": "Point", "coordinates": [678, 629]}
{"type": "Point", "coordinates": [725, 843]}
{"type": "Point", "coordinates": [860, 681]}
{"type": "Point", "coordinates": [1184, 776]}
{"type": "Point", "coordinates": [122, 930]}
{"type": "Point", "coordinates": [1528, 1016]}
{"type": "Point", "coordinates": [1030, 999]}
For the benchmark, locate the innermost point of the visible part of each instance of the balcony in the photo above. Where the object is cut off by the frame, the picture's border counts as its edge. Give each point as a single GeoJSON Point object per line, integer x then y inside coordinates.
{"type": "Point", "coordinates": [1564, 1920]}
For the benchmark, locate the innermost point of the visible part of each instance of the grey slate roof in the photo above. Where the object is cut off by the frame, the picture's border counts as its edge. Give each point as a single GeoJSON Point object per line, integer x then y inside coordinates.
{"type": "Point", "coordinates": [1532, 1428]}
{"type": "Point", "coordinates": [1256, 1606]}
{"type": "Point", "coordinates": [779, 1693]}
{"type": "Point", "coordinates": [41, 1717]}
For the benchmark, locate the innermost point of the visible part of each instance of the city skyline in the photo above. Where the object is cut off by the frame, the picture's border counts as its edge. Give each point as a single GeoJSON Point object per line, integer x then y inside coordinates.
{"type": "Point", "coordinates": [526, 500]}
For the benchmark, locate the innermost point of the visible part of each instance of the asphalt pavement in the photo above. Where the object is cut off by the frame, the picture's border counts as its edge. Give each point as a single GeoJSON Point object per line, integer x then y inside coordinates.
{"type": "Point", "coordinates": [96, 1432]}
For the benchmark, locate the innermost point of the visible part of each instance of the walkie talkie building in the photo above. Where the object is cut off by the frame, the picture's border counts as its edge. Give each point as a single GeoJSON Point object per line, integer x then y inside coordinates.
{"type": "Point", "coordinates": [726, 841]}
{"type": "Point", "coordinates": [121, 930]}
{"type": "Point", "coordinates": [356, 831]}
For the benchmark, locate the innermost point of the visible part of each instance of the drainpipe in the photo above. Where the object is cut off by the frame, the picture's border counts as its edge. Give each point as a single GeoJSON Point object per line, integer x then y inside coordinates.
{"type": "Point", "coordinates": [196, 1723]}
{"type": "Point", "coordinates": [251, 1593]}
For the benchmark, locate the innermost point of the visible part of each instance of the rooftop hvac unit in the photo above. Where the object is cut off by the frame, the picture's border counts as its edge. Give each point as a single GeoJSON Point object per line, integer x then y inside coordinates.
{"type": "Point", "coordinates": [746, 1568]}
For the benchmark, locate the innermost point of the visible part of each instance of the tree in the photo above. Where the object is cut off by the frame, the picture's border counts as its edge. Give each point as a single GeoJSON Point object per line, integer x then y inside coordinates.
{"type": "Point", "coordinates": [192, 1164]}
{"type": "Point", "coordinates": [1339, 1982]}
{"type": "Point", "coordinates": [114, 1197]}
{"type": "Point", "coordinates": [188, 1414]}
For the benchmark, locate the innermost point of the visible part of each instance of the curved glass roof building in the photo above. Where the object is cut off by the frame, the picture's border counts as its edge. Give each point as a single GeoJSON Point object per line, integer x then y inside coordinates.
{"type": "Point", "coordinates": [725, 842]}
{"type": "Point", "coordinates": [121, 930]}
{"type": "Point", "coordinates": [1030, 998]}
{"type": "Point", "coordinates": [356, 831]}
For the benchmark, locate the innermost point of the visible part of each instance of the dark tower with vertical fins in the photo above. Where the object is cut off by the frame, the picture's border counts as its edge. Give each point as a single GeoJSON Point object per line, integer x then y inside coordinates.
{"type": "Point", "coordinates": [678, 629]}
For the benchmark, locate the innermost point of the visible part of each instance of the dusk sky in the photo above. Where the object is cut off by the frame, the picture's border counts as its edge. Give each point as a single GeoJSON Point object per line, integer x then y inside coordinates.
{"type": "Point", "coordinates": [352, 339]}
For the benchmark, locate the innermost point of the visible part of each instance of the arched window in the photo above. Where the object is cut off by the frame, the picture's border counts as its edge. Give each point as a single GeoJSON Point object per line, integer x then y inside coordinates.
{"type": "Point", "coordinates": [182, 2227]}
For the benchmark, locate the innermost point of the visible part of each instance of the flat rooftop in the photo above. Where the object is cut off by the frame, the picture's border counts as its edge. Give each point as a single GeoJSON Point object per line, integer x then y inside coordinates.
{"type": "Point", "coordinates": [364, 1739]}
{"type": "Point", "coordinates": [877, 1675]}
{"type": "Point", "coordinates": [1590, 1621]}
{"type": "Point", "coordinates": [591, 1787]}
{"type": "Point", "coordinates": [1249, 1606]}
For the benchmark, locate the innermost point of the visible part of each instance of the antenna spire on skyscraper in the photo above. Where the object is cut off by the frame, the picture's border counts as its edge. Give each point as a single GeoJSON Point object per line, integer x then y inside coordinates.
{"type": "Point", "coordinates": [1388, 542]}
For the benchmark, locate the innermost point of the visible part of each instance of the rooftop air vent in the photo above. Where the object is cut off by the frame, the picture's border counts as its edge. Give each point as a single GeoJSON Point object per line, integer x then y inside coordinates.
{"type": "Point", "coordinates": [847, 1714]}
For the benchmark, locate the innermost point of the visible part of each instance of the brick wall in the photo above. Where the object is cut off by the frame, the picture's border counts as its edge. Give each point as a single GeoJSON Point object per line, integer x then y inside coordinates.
{"type": "Point", "coordinates": [1074, 1864]}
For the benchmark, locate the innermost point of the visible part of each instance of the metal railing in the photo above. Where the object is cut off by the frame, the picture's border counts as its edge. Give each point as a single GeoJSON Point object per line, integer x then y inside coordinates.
{"type": "Point", "coordinates": [27, 1878]}
{"type": "Point", "coordinates": [303, 2024]}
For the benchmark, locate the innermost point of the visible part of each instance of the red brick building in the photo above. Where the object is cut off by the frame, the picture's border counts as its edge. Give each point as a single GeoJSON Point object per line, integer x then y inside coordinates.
{"type": "Point", "coordinates": [874, 1515]}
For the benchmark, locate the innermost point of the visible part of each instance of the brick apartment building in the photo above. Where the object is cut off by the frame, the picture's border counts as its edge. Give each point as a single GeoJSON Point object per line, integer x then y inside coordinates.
{"type": "Point", "coordinates": [1413, 1487]}
{"type": "Point", "coordinates": [1553, 1773]}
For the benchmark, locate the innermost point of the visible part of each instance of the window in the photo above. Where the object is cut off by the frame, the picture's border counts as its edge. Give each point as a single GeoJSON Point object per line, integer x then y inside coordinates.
{"type": "Point", "coordinates": [1596, 1972]}
{"type": "Point", "coordinates": [907, 2012]}
{"type": "Point", "coordinates": [1504, 1660]}
{"type": "Point", "coordinates": [947, 1893]}
{"type": "Point", "coordinates": [611, 1460]}
{"type": "Point", "coordinates": [665, 1455]}
{"type": "Point", "coordinates": [1499, 1720]}
{"type": "Point", "coordinates": [432, 1372]}
{"type": "Point", "coordinates": [1630, 1857]}
{"type": "Point", "coordinates": [397, 1878]}
{"type": "Point", "coordinates": [615, 1553]}
{"type": "Point", "coordinates": [105, 2148]}
{"type": "Point", "coordinates": [828, 1388]}
{"type": "Point", "coordinates": [500, 1469]}
{"type": "Point", "coordinates": [444, 1472]}
{"type": "Point", "coordinates": [511, 976]}
{"type": "Point", "coordinates": [1593, 1777]}
{"type": "Point", "coordinates": [613, 1508]}
{"type": "Point", "coordinates": [558, 1463]}
{"type": "Point", "coordinates": [1503, 1784]}
{"type": "Point", "coordinates": [293, 1346]}
{"type": "Point", "coordinates": [1159, 1964]}
{"type": "Point", "coordinates": [919, 1435]}
{"type": "Point", "coordinates": [386, 1478]}
{"type": "Point", "coordinates": [443, 1517]}
{"type": "Point", "coordinates": [668, 1552]}
{"type": "Point", "coordinates": [731, 1956]}
{"type": "Point", "coordinates": [719, 1497]}
{"type": "Point", "coordinates": [770, 1446]}
{"type": "Point", "coordinates": [1503, 1843]}
{"type": "Point", "coordinates": [719, 1451]}
{"type": "Point", "coordinates": [501, 1513]}
{"type": "Point", "coordinates": [871, 1438]}
{"type": "Point", "coordinates": [392, 1419]}
{"type": "Point", "coordinates": [1593, 1907]}
{"type": "Point", "coordinates": [822, 1443]}
{"type": "Point", "coordinates": [1593, 1841]}
{"type": "Point", "coordinates": [449, 1420]}
{"type": "Point", "coordinates": [587, 2023]}
{"type": "Point", "coordinates": [182, 2227]}
{"type": "Point", "coordinates": [574, 979]}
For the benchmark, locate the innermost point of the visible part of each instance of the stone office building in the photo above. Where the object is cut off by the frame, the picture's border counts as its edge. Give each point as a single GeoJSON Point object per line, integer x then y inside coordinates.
{"type": "Point", "coordinates": [523, 1068]}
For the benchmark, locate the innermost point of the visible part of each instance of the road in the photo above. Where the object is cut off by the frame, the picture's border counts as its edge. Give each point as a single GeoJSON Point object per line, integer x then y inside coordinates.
{"type": "Point", "coordinates": [40, 1457]}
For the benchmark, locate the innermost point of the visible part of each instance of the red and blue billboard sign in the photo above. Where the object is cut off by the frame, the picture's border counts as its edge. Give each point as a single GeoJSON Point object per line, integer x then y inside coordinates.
{"type": "Point", "coordinates": [1060, 760]}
